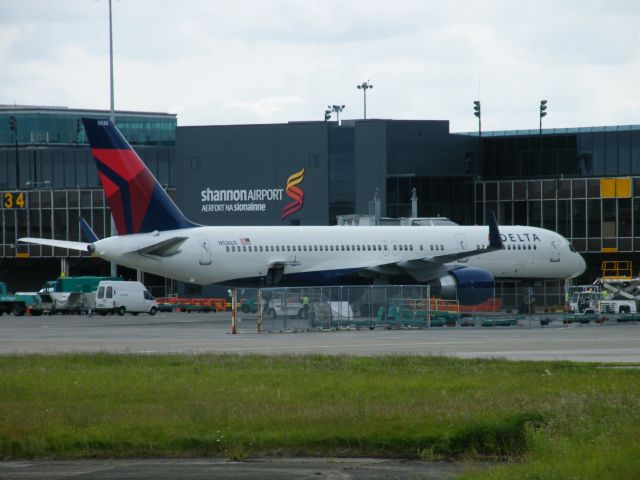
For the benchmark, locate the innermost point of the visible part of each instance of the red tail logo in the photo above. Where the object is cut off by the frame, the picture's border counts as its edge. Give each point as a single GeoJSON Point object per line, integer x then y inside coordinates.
{"type": "Point", "coordinates": [296, 193]}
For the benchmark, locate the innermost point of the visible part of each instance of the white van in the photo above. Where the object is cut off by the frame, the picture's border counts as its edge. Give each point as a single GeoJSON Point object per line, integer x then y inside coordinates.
{"type": "Point", "coordinates": [122, 297]}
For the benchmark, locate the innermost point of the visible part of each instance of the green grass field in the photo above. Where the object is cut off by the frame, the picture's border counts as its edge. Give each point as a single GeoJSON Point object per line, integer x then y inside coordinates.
{"type": "Point", "coordinates": [534, 419]}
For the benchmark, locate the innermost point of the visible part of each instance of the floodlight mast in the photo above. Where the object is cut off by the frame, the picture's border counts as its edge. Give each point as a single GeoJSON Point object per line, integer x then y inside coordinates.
{"type": "Point", "coordinates": [543, 112]}
{"type": "Point", "coordinates": [337, 109]}
{"type": "Point", "coordinates": [112, 115]}
{"type": "Point", "coordinates": [477, 111]}
{"type": "Point", "coordinates": [364, 86]}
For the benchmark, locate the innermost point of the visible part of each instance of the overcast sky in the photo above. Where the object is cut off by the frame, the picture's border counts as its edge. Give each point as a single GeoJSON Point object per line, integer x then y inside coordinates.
{"type": "Point", "coordinates": [214, 62]}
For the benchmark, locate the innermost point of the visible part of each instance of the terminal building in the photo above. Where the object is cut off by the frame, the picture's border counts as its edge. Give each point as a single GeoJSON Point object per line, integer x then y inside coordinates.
{"type": "Point", "coordinates": [581, 182]}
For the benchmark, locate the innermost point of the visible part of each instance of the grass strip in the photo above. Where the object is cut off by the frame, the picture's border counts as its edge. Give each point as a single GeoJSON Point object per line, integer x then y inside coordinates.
{"type": "Point", "coordinates": [540, 419]}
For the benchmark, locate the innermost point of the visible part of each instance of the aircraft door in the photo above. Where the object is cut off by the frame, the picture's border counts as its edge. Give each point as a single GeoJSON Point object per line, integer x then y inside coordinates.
{"type": "Point", "coordinates": [394, 248]}
{"type": "Point", "coordinates": [461, 242]}
{"type": "Point", "coordinates": [385, 248]}
{"type": "Point", "coordinates": [555, 251]}
{"type": "Point", "coordinates": [206, 255]}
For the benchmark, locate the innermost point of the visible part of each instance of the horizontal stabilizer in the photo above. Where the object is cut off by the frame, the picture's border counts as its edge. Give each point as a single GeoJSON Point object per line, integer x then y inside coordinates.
{"type": "Point", "coordinates": [165, 248]}
{"type": "Point", "coordinates": [88, 232]}
{"type": "Point", "coordinates": [85, 247]}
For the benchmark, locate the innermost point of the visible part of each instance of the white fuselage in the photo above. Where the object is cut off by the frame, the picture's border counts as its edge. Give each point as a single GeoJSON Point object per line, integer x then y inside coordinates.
{"type": "Point", "coordinates": [226, 254]}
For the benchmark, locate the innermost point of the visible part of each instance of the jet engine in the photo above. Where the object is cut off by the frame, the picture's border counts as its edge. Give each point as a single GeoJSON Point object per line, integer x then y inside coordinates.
{"type": "Point", "coordinates": [470, 286]}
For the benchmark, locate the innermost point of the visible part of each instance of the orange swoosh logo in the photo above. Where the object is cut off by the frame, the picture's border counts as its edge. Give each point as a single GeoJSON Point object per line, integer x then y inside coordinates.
{"type": "Point", "coordinates": [295, 193]}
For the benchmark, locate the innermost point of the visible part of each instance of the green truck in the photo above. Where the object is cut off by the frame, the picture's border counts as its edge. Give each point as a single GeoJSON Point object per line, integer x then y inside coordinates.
{"type": "Point", "coordinates": [15, 303]}
{"type": "Point", "coordinates": [63, 295]}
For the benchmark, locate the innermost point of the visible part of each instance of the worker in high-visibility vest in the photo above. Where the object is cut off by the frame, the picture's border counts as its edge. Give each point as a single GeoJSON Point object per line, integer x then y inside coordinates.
{"type": "Point", "coordinates": [305, 305]}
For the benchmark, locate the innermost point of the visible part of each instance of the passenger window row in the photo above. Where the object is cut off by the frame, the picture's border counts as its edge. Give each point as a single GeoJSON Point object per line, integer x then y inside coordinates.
{"type": "Point", "coordinates": [306, 248]}
{"type": "Point", "coordinates": [519, 246]}
{"type": "Point", "coordinates": [327, 248]}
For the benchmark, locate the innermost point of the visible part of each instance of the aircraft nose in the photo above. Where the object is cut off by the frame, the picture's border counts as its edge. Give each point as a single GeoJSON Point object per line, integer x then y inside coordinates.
{"type": "Point", "coordinates": [581, 265]}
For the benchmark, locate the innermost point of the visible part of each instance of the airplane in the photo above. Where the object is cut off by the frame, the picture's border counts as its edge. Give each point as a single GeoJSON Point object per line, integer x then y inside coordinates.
{"type": "Point", "coordinates": [458, 262]}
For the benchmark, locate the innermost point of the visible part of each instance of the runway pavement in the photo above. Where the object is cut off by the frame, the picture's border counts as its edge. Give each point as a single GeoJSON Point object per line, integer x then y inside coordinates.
{"type": "Point", "coordinates": [199, 333]}
{"type": "Point", "coordinates": [258, 469]}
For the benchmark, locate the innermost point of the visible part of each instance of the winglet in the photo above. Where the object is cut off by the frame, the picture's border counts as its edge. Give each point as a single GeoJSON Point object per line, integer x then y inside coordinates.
{"type": "Point", "coordinates": [495, 242]}
{"type": "Point", "coordinates": [86, 229]}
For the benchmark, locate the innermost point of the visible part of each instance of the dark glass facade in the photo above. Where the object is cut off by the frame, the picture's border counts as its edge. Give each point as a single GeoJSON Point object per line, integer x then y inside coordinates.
{"type": "Point", "coordinates": [582, 184]}
{"type": "Point", "coordinates": [342, 175]}
{"type": "Point", "coordinates": [450, 197]}
{"type": "Point", "coordinates": [584, 152]}
{"type": "Point", "coordinates": [44, 125]}
{"type": "Point", "coordinates": [52, 214]}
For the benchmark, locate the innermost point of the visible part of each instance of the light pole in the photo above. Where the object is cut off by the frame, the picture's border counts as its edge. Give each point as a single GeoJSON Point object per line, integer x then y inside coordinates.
{"type": "Point", "coordinates": [337, 109]}
{"type": "Point", "coordinates": [477, 111]}
{"type": "Point", "coordinates": [364, 86]}
{"type": "Point", "coordinates": [543, 112]}
{"type": "Point", "coordinates": [13, 126]}
{"type": "Point", "coordinates": [112, 115]}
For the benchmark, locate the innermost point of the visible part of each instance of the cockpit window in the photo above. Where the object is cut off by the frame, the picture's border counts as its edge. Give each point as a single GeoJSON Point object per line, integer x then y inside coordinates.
{"type": "Point", "coordinates": [571, 247]}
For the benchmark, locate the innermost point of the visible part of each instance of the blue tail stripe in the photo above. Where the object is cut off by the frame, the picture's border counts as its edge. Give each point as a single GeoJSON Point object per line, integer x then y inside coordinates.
{"type": "Point", "coordinates": [124, 191]}
{"type": "Point", "coordinates": [104, 138]}
{"type": "Point", "coordinates": [163, 215]}
{"type": "Point", "coordinates": [86, 229]}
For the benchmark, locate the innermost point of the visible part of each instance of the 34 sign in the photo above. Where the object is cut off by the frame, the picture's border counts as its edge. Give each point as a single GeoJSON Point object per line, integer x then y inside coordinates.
{"type": "Point", "coordinates": [13, 200]}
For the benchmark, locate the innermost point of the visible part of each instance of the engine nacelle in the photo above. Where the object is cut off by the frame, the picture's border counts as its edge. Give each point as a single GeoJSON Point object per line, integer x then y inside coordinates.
{"type": "Point", "coordinates": [470, 286]}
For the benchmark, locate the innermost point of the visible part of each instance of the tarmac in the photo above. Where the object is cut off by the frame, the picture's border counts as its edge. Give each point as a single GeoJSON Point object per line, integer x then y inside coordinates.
{"type": "Point", "coordinates": [185, 333]}
{"type": "Point", "coordinates": [253, 469]}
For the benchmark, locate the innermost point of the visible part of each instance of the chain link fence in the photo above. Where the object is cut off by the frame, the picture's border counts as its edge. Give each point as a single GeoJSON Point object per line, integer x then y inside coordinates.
{"type": "Point", "coordinates": [406, 307]}
{"type": "Point", "coordinates": [345, 307]}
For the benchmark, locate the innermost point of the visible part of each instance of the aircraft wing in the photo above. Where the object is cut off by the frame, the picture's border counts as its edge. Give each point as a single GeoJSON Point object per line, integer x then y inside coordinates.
{"type": "Point", "coordinates": [452, 257]}
{"type": "Point", "coordinates": [495, 243]}
{"type": "Point", "coordinates": [57, 243]}
{"type": "Point", "coordinates": [428, 268]}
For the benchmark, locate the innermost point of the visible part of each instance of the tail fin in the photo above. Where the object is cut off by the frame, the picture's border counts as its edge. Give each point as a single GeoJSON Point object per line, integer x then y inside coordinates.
{"type": "Point", "coordinates": [138, 203]}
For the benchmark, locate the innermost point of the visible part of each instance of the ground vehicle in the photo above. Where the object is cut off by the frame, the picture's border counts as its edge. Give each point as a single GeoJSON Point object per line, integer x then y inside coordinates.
{"type": "Point", "coordinates": [590, 299]}
{"type": "Point", "coordinates": [248, 305]}
{"type": "Point", "coordinates": [289, 307]}
{"type": "Point", "coordinates": [15, 303]}
{"type": "Point", "coordinates": [69, 295]}
{"type": "Point", "coordinates": [121, 297]}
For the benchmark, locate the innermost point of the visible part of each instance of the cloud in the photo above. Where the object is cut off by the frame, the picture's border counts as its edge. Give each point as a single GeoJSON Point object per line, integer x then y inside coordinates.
{"type": "Point", "coordinates": [266, 107]}
{"type": "Point", "coordinates": [252, 61]}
